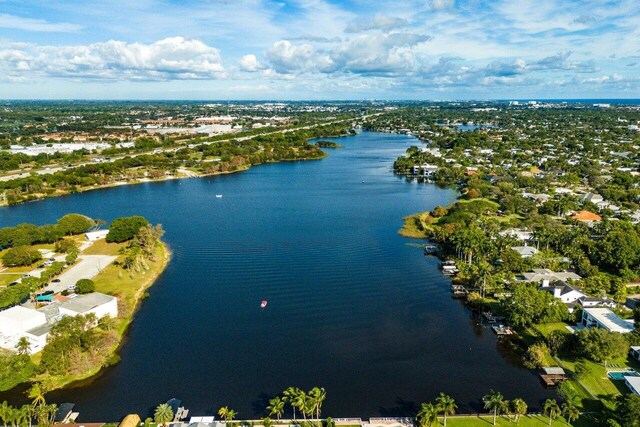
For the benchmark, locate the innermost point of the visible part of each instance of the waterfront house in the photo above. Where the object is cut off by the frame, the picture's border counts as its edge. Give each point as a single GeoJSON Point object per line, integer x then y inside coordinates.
{"type": "Point", "coordinates": [565, 293]}
{"type": "Point", "coordinates": [521, 234]}
{"type": "Point", "coordinates": [596, 317]}
{"type": "Point", "coordinates": [92, 236]}
{"type": "Point", "coordinates": [597, 302]}
{"type": "Point", "coordinates": [99, 304]}
{"type": "Point", "coordinates": [544, 275]}
{"type": "Point", "coordinates": [635, 352]}
{"type": "Point", "coordinates": [17, 322]}
{"type": "Point", "coordinates": [633, 383]}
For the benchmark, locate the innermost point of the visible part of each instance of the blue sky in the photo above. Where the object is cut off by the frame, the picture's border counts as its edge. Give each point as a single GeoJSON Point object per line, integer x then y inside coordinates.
{"type": "Point", "coordinates": [319, 49]}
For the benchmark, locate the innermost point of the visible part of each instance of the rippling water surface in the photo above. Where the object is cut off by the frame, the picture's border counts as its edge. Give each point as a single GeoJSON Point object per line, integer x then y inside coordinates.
{"type": "Point", "coordinates": [353, 307]}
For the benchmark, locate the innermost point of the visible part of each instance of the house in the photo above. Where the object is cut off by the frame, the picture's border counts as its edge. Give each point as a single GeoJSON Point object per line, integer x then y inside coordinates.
{"type": "Point", "coordinates": [17, 322]}
{"type": "Point", "coordinates": [586, 216]}
{"type": "Point", "coordinates": [633, 383]}
{"type": "Point", "coordinates": [548, 276]}
{"type": "Point", "coordinates": [92, 236]}
{"type": "Point", "coordinates": [99, 304]}
{"type": "Point", "coordinates": [425, 170]}
{"type": "Point", "coordinates": [604, 318]}
{"type": "Point", "coordinates": [525, 251]}
{"type": "Point", "coordinates": [597, 302]}
{"type": "Point", "coordinates": [521, 234]}
{"type": "Point", "coordinates": [593, 198]}
{"type": "Point", "coordinates": [635, 352]}
{"type": "Point", "coordinates": [565, 293]}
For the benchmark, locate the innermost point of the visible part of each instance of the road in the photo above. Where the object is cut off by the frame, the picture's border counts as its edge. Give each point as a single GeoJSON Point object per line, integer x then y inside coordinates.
{"type": "Point", "coordinates": [53, 169]}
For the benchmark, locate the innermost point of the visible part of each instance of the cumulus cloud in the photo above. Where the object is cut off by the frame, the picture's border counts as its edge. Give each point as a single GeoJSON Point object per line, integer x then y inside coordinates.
{"type": "Point", "coordinates": [366, 54]}
{"type": "Point", "coordinates": [167, 59]}
{"type": "Point", "coordinates": [250, 63]}
{"type": "Point", "coordinates": [13, 22]}
{"type": "Point", "coordinates": [378, 22]}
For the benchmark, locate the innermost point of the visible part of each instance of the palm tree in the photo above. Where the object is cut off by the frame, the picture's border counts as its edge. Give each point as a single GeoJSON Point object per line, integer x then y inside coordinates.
{"type": "Point", "coordinates": [552, 409]}
{"type": "Point", "coordinates": [446, 405]}
{"type": "Point", "coordinates": [5, 412]}
{"type": "Point", "coordinates": [494, 401]}
{"type": "Point", "coordinates": [570, 411]}
{"type": "Point", "coordinates": [23, 346]}
{"type": "Point", "coordinates": [226, 413]}
{"type": "Point", "coordinates": [427, 415]}
{"type": "Point", "coordinates": [318, 394]}
{"type": "Point", "coordinates": [290, 397]}
{"type": "Point", "coordinates": [163, 414]}
{"type": "Point", "coordinates": [37, 394]}
{"type": "Point", "coordinates": [276, 407]}
{"type": "Point", "coordinates": [519, 408]}
{"type": "Point", "coordinates": [27, 413]}
{"type": "Point", "coordinates": [300, 401]}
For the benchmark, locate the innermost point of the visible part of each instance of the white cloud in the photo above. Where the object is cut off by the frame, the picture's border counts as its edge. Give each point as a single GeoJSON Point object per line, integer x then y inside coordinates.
{"type": "Point", "coordinates": [250, 63]}
{"type": "Point", "coordinates": [286, 57]}
{"type": "Point", "coordinates": [168, 59]}
{"type": "Point", "coordinates": [13, 22]}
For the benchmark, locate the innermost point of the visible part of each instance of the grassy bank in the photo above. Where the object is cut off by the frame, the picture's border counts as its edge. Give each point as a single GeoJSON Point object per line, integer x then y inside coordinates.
{"type": "Point", "coordinates": [526, 421]}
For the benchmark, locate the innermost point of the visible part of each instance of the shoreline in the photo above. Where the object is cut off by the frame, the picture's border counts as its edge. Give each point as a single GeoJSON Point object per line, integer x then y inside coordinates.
{"type": "Point", "coordinates": [243, 168]}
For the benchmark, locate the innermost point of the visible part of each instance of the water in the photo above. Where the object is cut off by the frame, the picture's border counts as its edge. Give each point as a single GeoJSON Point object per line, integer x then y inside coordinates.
{"type": "Point", "coordinates": [353, 307]}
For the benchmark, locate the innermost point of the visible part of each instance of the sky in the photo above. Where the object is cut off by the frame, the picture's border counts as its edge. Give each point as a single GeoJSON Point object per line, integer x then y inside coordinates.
{"type": "Point", "coordinates": [319, 49]}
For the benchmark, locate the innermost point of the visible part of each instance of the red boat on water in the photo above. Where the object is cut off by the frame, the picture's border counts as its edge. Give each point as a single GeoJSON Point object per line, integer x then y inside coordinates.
{"type": "Point", "coordinates": [263, 304]}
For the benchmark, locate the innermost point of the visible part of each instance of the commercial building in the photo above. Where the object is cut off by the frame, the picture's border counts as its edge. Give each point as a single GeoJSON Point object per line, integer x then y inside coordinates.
{"type": "Point", "coordinates": [17, 322]}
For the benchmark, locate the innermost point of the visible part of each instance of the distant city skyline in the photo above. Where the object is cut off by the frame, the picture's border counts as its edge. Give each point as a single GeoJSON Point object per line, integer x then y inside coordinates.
{"type": "Point", "coordinates": [319, 49]}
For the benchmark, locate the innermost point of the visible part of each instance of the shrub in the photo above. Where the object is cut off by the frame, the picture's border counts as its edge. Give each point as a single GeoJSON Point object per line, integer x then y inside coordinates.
{"type": "Point", "coordinates": [85, 286]}
{"type": "Point", "coordinates": [126, 228]}
{"type": "Point", "coordinates": [21, 256]}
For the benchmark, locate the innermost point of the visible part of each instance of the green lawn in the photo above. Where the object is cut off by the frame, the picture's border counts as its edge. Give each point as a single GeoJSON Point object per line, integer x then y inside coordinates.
{"type": "Point", "coordinates": [5, 279]}
{"type": "Point", "coordinates": [527, 421]}
{"type": "Point", "coordinates": [546, 328]}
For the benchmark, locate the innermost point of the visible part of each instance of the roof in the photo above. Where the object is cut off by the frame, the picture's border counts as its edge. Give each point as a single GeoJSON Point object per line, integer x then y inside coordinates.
{"type": "Point", "coordinates": [553, 370]}
{"type": "Point", "coordinates": [40, 330]}
{"type": "Point", "coordinates": [85, 303]}
{"type": "Point", "coordinates": [525, 250]}
{"type": "Point", "coordinates": [564, 288]}
{"type": "Point", "coordinates": [63, 411]}
{"type": "Point", "coordinates": [633, 383]}
{"type": "Point", "coordinates": [586, 216]}
{"type": "Point", "coordinates": [21, 317]}
{"type": "Point", "coordinates": [538, 274]}
{"type": "Point", "coordinates": [609, 319]}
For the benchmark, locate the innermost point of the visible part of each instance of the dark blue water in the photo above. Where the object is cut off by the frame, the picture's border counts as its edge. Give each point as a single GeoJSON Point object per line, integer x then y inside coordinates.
{"type": "Point", "coordinates": [353, 307]}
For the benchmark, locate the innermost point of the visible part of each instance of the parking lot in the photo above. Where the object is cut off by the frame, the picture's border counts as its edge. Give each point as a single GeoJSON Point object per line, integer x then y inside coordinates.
{"type": "Point", "coordinates": [87, 267]}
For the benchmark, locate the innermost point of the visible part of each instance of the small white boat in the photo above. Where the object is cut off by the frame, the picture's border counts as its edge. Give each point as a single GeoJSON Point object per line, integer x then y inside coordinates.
{"type": "Point", "coordinates": [263, 304]}
{"type": "Point", "coordinates": [218, 196]}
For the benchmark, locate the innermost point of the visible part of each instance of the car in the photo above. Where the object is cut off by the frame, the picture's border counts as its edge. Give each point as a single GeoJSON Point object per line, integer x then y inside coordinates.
{"type": "Point", "coordinates": [71, 287]}
{"type": "Point", "coordinates": [42, 266]}
{"type": "Point", "coordinates": [52, 259]}
{"type": "Point", "coordinates": [13, 283]}
{"type": "Point", "coordinates": [25, 276]}
{"type": "Point", "coordinates": [47, 293]}
{"type": "Point", "coordinates": [55, 281]}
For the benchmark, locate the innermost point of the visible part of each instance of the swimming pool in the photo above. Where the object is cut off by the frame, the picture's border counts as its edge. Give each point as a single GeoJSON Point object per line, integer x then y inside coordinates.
{"type": "Point", "coordinates": [619, 375]}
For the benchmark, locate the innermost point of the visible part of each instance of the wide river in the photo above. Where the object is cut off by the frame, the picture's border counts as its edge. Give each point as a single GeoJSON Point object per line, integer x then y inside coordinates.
{"type": "Point", "coordinates": [352, 306]}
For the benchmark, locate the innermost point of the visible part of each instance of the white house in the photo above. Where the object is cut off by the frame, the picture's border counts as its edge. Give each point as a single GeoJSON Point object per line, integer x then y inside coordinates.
{"type": "Point", "coordinates": [605, 319]}
{"type": "Point", "coordinates": [92, 236]}
{"type": "Point", "coordinates": [565, 293]}
{"type": "Point", "coordinates": [17, 322]}
{"type": "Point", "coordinates": [633, 383]}
{"type": "Point", "coordinates": [521, 234]}
{"type": "Point", "coordinates": [635, 352]}
{"type": "Point", "coordinates": [544, 274]}
{"type": "Point", "coordinates": [525, 251]}
{"type": "Point", "coordinates": [99, 304]}
{"type": "Point", "coordinates": [597, 302]}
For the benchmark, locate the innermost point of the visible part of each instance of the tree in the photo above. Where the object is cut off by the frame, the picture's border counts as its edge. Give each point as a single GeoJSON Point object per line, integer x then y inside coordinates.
{"type": "Point", "coordinates": [163, 414]}
{"type": "Point", "coordinates": [276, 407]}
{"type": "Point", "coordinates": [628, 410]}
{"type": "Point", "coordinates": [126, 228]}
{"type": "Point", "coordinates": [528, 306]}
{"type": "Point", "coordinates": [290, 398]}
{"type": "Point", "coordinates": [570, 411]}
{"type": "Point", "coordinates": [85, 286]}
{"type": "Point", "coordinates": [5, 412]}
{"type": "Point", "coordinates": [552, 409]}
{"type": "Point", "coordinates": [317, 395]}
{"type": "Point", "coordinates": [536, 355]}
{"type": "Point", "coordinates": [24, 345]}
{"type": "Point", "coordinates": [427, 415]}
{"type": "Point", "coordinates": [446, 405]}
{"type": "Point", "coordinates": [601, 345]}
{"type": "Point", "coordinates": [63, 246]}
{"type": "Point", "coordinates": [21, 256]}
{"type": "Point", "coordinates": [73, 224]}
{"type": "Point", "coordinates": [493, 401]}
{"type": "Point", "coordinates": [27, 413]}
{"type": "Point", "coordinates": [36, 393]}
{"type": "Point", "coordinates": [519, 408]}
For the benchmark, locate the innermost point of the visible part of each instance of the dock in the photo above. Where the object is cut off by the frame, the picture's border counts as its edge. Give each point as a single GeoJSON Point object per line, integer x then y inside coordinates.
{"type": "Point", "coordinates": [459, 291]}
{"type": "Point", "coordinates": [552, 376]}
{"type": "Point", "coordinates": [501, 329]}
